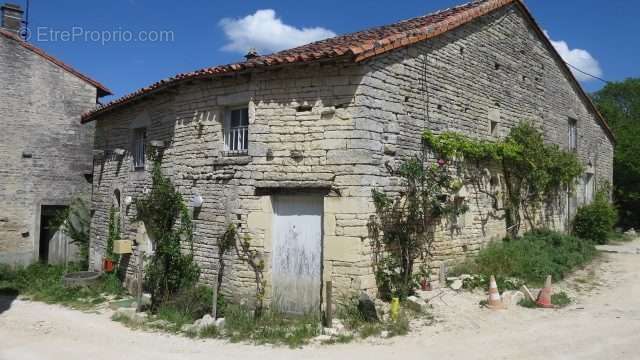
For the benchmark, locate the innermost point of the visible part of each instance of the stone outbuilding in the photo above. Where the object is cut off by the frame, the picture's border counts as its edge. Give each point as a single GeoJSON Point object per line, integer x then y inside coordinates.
{"type": "Point", "coordinates": [45, 153]}
{"type": "Point", "coordinates": [289, 146]}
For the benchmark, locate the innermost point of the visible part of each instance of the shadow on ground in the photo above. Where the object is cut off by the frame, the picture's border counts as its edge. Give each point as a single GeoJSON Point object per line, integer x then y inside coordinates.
{"type": "Point", "coordinates": [7, 296]}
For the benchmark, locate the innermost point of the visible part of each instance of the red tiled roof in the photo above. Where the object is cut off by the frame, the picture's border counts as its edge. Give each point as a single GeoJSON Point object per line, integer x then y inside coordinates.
{"type": "Point", "coordinates": [360, 46]}
{"type": "Point", "coordinates": [103, 90]}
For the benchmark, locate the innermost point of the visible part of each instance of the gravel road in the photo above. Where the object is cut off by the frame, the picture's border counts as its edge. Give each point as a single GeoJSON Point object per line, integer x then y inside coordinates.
{"type": "Point", "coordinates": [603, 323]}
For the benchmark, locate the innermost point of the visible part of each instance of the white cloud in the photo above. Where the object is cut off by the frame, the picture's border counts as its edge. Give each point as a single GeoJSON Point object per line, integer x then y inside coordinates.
{"type": "Point", "coordinates": [579, 58]}
{"type": "Point", "coordinates": [267, 33]}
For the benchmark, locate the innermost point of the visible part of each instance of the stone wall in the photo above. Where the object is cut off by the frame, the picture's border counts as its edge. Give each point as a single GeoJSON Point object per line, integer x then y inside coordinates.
{"type": "Point", "coordinates": [44, 151]}
{"type": "Point", "coordinates": [304, 136]}
{"type": "Point", "coordinates": [335, 129]}
{"type": "Point", "coordinates": [495, 69]}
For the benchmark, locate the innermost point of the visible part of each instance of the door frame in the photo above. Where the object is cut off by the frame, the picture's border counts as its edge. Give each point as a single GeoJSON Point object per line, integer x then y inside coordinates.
{"type": "Point", "coordinates": [319, 194]}
{"type": "Point", "coordinates": [37, 222]}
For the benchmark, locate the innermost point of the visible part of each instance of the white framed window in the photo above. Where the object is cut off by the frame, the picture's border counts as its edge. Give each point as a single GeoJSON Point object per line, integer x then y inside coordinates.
{"type": "Point", "coordinates": [236, 131]}
{"type": "Point", "coordinates": [573, 134]}
{"type": "Point", "coordinates": [139, 140]}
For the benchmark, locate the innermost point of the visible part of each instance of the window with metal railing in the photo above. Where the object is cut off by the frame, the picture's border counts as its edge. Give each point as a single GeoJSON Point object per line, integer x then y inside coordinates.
{"type": "Point", "coordinates": [139, 140]}
{"type": "Point", "coordinates": [236, 131]}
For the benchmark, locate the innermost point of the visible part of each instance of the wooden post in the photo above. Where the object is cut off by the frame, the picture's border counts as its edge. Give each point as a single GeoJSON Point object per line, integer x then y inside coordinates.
{"type": "Point", "coordinates": [214, 310]}
{"type": "Point", "coordinates": [328, 305]}
{"type": "Point", "coordinates": [140, 280]}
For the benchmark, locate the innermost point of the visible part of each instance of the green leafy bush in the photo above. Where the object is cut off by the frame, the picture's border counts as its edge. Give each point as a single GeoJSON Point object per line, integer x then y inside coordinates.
{"type": "Point", "coordinates": [170, 270]}
{"type": "Point", "coordinates": [530, 258]}
{"type": "Point", "coordinates": [596, 220]}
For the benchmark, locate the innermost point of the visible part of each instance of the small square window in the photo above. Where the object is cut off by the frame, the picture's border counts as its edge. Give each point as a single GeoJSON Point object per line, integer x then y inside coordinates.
{"type": "Point", "coordinates": [236, 131]}
{"type": "Point", "coordinates": [139, 140]}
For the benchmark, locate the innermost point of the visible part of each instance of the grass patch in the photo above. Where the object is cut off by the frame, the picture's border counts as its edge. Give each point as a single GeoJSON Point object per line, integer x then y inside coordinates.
{"type": "Point", "coordinates": [529, 259]}
{"type": "Point", "coordinates": [528, 303]}
{"type": "Point", "coordinates": [41, 282]}
{"type": "Point", "coordinates": [270, 328]}
{"type": "Point", "coordinates": [210, 332]}
{"type": "Point", "coordinates": [615, 236]}
{"type": "Point", "coordinates": [560, 299]}
{"type": "Point", "coordinates": [353, 320]}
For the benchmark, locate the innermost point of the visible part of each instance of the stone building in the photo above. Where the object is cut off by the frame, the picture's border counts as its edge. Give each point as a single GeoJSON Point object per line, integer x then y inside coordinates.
{"type": "Point", "coordinates": [288, 146]}
{"type": "Point", "coordinates": [45, 153]}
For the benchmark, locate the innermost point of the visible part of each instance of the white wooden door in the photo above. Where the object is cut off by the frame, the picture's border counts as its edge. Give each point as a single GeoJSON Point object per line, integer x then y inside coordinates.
{"type": "Point", "coordinates": [297, 253]}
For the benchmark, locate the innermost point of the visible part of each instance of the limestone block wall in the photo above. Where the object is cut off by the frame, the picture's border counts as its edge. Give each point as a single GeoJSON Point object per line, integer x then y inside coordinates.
{"type": "Point", "coordinates": [44, 151]}
{"type": "Point", "coordinates": [336, 129]}
{"type": "Point", "coordinates": [305, 135]}
{"type": "Point", "coordinates": [480, 80]}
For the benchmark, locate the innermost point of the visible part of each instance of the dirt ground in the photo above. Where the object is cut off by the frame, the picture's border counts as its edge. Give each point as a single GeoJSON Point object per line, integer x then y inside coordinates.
{"type": "Point", "coordinates": [602, 323]}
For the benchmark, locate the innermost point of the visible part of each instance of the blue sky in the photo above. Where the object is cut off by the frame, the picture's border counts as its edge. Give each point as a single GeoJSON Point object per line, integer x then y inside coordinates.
{"type": "Point", "coordinates": [198, 37]}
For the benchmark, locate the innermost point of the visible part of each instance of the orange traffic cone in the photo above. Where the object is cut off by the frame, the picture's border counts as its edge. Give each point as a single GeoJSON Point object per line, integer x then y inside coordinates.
{"type": "Point", "coordinates": [494, 301]}
{"type": "Point", "coordinates": [544, 297]}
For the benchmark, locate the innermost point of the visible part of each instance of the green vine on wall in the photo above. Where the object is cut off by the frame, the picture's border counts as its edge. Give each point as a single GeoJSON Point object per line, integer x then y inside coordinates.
{"type": "Point", "coordinates": [252, 257]}
{"type": "Point", "coordinates": [114, 233]}
{"type": "Point", "coordinates": [534, 172]}
{"type": "Point", "coordinates": [168, 221]}
{"type": "Point", "coordinates": [402, 231]}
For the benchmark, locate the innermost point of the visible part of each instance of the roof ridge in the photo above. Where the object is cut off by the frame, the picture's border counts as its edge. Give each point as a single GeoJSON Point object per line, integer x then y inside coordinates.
{"type": "Point", "coordinates": [54, 60]}
{"type": "Point", "coordinates": [360, 45]}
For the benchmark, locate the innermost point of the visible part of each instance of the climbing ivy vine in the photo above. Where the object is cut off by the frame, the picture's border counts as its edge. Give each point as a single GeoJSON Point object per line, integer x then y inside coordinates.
{"type": "Point", "coordinates": [114, 233]}
{"type": "Point", "coordinates": [533, 171]}
{"type": "Point", "coordinates": [232, 239]}
{"type": "Point", "coordinates": [168, 221]}
{"type": "Point", "coordinates": [403, 229]}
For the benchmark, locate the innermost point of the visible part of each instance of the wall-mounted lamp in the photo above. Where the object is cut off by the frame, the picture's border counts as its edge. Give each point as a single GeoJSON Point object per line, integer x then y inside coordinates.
{"type": "Point", "coordinates": [159, 144]}
{"type": "Point", "coordinates": [196, 201]}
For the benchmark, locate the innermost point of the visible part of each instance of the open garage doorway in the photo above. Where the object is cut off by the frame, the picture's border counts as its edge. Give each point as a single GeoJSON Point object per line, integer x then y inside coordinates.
{"type": "Point", "coordinates": [54, 244]}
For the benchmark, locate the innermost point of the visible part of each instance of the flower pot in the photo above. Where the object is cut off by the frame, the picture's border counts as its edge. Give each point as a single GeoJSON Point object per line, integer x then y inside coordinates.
{"type": "Point", "coordinates": [108, 265]}
{"type": "Point", "coordinates": [425, 285]}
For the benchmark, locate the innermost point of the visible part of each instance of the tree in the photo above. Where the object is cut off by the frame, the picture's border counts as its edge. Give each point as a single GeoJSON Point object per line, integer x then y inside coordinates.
{"type": "Point", "coordinates": [620, 105]}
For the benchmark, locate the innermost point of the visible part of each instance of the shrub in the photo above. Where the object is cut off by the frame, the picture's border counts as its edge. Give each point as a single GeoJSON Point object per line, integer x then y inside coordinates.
{"type": "Point", "coordinates": [560, 299]}
{"type": "Point", "coordinates": [170, 269]}
{"type": "Point", "coordinates": [530, 258]}
{"type": "Point", "coordinates": [190, 304]}
{"type": "Point", "coordinates": [596, 220]}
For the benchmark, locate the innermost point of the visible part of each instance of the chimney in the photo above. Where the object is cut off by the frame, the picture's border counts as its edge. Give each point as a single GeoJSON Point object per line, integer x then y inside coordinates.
{"type": "Point", "coordinates": [251, 54]}
{"type": "Point", "coordinates": [11, 17]}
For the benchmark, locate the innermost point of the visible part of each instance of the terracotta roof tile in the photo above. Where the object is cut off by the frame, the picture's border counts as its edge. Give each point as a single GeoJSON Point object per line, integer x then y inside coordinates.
{"type": "Point", "coordinates": [103, 90]}
{"type": "Point", "coordinates": [360, 46]}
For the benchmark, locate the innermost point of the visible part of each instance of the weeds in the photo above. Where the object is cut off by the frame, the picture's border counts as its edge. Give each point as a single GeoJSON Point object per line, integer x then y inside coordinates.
{"type": "Point", "coordinates": [560, 299]}
{"type": "Point", "coordinates": [42, 282]}
{"type": "Point", "coordinates": [529, 259]}
{"type": "Point", "coordinates": [272, 327]}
